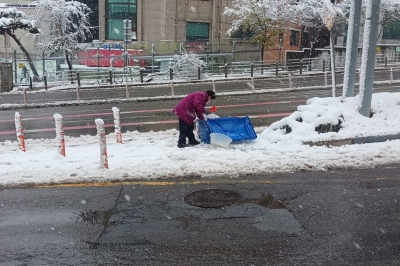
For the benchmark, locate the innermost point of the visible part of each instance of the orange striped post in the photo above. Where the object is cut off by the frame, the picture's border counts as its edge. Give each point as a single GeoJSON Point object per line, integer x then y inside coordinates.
{"type": "Point", "coordinates": [60, 134]}
{"type": "Point", "coordinates": [19, 129]}
{"type": "Point", "coordinates": [117, 124]}
{"type": "Point", "coordinates": [103, 144]}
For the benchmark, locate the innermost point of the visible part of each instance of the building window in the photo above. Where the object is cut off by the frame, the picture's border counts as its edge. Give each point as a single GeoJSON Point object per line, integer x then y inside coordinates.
{"type": "Point", "coordinates": [197, 31]}
{"type": "Point", "coordinates": [391, 30]}
{"type": "Point", "coordinates": [294, 38]}
{"type": "Point", "coordinates": [116, 12]}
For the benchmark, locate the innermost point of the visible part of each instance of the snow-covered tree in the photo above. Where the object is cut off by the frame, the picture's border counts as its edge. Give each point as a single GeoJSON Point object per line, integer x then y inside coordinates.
{"type": "Point", "coordinates": [12, 20]}
{"type": "Point", "coordinates": [308, 13]}
{"type": "Point", "coordinates": [391, 13]}
{"type": "Point", "coordinates": [265, 19]}
{"type": "Point", "coordinates": [63, 24]}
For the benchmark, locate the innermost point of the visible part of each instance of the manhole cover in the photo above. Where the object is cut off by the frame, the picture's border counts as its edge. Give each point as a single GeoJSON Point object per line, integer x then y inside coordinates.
{"type": "Point", "coordinates": [212, 198]}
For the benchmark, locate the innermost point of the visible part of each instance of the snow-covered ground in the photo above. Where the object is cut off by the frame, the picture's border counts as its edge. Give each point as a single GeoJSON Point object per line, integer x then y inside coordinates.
{"type": "Point", "coordinates": [154, 155]}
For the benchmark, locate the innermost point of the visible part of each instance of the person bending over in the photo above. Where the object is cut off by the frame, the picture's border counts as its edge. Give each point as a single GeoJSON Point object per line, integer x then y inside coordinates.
{"type": "Point", "coordinates": [187, 110]}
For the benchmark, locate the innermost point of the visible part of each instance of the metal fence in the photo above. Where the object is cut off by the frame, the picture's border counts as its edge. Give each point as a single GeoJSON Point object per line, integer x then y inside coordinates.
{"type": "Point", "coordinates": [99, 76]}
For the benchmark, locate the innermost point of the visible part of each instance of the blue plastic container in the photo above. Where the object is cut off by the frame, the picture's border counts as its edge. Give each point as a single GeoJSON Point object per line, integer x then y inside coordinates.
{"type": "Point", "coordinates": [237, 128]}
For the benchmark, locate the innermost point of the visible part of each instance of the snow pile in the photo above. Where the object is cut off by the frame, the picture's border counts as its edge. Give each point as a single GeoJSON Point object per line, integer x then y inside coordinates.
{"type": "Point", "coordinates": [344, 111]}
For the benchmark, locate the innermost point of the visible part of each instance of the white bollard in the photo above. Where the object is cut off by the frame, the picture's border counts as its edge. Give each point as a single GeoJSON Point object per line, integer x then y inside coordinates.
{"type": "Point", "coordinates": [60, 134]}
{"type": "Point", "coordinates": [25, 97]}
{"type": "Point", "coordinates": [103, 144]}
{"type": "Point", "coordinates": [19, 130]}
{"type": "Point", "coordinates": [78, 93]}
{"type": "Point", "coordinates": [172, 89]}
{"type": "Point", "coordinates": [326, 78]}
{"type": "Point", "coordinates": [391, 75]}
{"type": "Point", "coordinates": [290, 81]}
{"type": "Point", "coordinates": [127, 91]}
{"type": "Point", "coordinates": [214, 85]}
{"type": "Point", "coordinates": [252, 84]}
{"type": "Point", "coordinates": [117, 124]}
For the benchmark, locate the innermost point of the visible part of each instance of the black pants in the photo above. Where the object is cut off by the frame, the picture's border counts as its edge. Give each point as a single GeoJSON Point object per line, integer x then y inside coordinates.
{"type": "Point", "coordinates": [185, 131]}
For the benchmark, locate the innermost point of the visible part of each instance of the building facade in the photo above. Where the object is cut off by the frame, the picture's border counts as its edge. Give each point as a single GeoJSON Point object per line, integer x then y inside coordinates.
{"type": "Point", "coordinates": [159, 24]}
{"type": "Point", "coordinates": [157, 20]}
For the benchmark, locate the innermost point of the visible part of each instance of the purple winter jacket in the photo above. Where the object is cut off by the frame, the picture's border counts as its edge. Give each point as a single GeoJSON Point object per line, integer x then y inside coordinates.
{"type": "Point", "coordinates": [192, 105]}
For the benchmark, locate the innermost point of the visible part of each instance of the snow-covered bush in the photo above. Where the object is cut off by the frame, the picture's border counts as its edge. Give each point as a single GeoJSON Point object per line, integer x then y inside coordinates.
{"type": "Point", "coordinates": [186, 65]}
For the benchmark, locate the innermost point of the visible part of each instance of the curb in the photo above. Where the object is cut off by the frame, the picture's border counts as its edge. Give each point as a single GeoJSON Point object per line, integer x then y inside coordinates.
{"type": "Point", "coordinates": [361, 140]}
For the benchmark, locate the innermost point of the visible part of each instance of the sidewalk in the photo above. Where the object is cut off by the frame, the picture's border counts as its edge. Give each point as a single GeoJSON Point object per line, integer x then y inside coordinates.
{"type": "Point", "coordinates": [154, 155]}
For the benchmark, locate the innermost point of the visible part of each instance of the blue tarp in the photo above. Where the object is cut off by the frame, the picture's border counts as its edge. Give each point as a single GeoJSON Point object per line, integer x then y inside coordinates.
{"type": "Point", "coordinates": [237, 128]}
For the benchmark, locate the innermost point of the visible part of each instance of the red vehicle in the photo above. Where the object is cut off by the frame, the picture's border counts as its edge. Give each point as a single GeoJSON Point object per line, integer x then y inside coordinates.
{"type": "Point", "coordinates": [108, 57]}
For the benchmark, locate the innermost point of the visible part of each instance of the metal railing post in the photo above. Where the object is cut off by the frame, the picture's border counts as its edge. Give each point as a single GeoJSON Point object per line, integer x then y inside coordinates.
{"type": "Point", "coordinates": [301, 66]}
{"type": "Point", "coordinates": [213, 83]}
{"type": "Point", "coordinates": [172, 89]}
{"type": "Point", "coordinates": [78, 93]}
{"type": "Point", "coordinates": [78, 78]}
{"type": "Point", "coordinates": [198, 73]}
{"type": "Point", "coordinates": [45, 82]}
{"type": "Point", "coordinates": [251, 69]}
{"type": "Point", "coordinates": [127, 90]}
{"type": "Point", "coordinates": [391, 75]}
{"type": "Point", "coordinates": [171, 74]}
{"type": "Point", "coordinates": [25, 97]}
{"type": "Point", "coordinates": [110, 76]}
{"type": "Point", "coordinates": [226, 70]}
{"type": "Point", "coordinates": [141, 75]}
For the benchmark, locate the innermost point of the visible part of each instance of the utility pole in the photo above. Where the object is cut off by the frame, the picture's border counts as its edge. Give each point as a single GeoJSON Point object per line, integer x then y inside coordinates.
{"type": "Point", "coordinates": [368, 55]}
{"type": "Point", "coordinates": [352, 49]}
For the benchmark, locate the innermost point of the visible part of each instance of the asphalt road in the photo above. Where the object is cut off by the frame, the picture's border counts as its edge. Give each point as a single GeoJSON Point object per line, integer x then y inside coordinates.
{"type": "Point", "coordinates": [143, 116]}
{"type": "Point", "coordinates": [349, 217]}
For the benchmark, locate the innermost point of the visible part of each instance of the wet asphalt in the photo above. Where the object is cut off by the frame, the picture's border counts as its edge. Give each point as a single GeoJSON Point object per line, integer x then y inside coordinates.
{"type": "Point", "coordinates": [346, 217]}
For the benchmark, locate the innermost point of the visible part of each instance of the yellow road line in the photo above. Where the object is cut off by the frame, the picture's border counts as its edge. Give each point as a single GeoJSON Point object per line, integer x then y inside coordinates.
{"type": "Point", "coordinates": [157, 183]}
{"type": "Point", "coordinates": [212, 182]}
